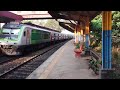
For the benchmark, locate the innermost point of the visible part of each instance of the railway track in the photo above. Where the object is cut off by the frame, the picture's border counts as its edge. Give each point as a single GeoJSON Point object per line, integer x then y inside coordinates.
{"type": "Point", "coordinates": [28, 64]}
{"type": "Point", "coordinates": [5, 59]}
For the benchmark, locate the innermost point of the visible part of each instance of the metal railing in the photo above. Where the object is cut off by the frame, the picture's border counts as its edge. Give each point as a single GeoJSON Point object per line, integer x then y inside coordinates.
{"type": "Point", "coordinates": [95, 55]}
{"type": "Point", "coordinates": [95, 62]}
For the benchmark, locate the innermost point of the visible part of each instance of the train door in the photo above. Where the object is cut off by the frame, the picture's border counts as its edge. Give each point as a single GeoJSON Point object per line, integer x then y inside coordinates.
{"type": "Point", "coordinates": [52, 36]}
{"type": "Point", "coordinates": [28, 36]}
{"type": "Point", "coordinates": [57, 36]}
{"type": "Point", "coordinates": [24, 38]}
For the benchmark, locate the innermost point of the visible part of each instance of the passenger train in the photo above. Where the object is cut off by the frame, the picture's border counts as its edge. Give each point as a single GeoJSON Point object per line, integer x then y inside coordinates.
{"type": "Point", "coordinates": [16, 37]}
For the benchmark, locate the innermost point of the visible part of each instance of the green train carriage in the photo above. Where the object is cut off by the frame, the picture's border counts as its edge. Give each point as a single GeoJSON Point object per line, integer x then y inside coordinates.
{"type": "Point", "coordinates": [14, 38]}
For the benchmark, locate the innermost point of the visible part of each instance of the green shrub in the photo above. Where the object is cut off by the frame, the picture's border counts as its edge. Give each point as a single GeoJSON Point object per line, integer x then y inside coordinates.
{"type": "Point", "coordinates": [115, 56]}
{"type": "Point", "coordinates": [95, 65]}
{"type": "Point", "coordinates": [77, 46]}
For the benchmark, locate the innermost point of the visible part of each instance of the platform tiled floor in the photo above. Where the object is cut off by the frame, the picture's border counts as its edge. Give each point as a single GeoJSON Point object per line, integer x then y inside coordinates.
{"type": "Point", "coordinates": [64, 65]}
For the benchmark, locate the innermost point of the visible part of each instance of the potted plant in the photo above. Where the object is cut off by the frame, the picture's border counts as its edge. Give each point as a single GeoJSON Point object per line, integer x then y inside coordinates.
{"type": "Point", "coordinates": [78, 50]}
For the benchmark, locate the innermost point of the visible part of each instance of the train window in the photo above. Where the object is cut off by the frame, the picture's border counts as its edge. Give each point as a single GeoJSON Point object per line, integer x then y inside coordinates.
{"type": "Point", "coordinates": [46, 35]}
{"type": "Point", "coordinates": [24, 33]}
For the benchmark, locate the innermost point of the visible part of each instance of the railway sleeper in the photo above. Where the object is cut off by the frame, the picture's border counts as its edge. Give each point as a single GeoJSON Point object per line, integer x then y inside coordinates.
{"type": "Point", "coordinates": [38, 60]}
{"type": "Point", "coordinates": [36, 64]}
{"type": "Point", "coordinates": [27, 68]}
{"type": "Point", "coordinates": [15, 77]}
{"type": "Point", "coordinates": [33, 66]}
{"type": "Point", "coordinates": [22, 73]}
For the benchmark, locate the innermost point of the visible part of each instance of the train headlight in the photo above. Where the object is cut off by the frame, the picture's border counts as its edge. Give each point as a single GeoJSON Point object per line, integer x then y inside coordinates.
{"type": "Point", "coordinates": [2, 43]}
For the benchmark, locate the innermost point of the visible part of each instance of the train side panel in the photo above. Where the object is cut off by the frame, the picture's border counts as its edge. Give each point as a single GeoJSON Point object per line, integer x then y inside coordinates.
{"type": "Point", "coordinates": [39, 36]}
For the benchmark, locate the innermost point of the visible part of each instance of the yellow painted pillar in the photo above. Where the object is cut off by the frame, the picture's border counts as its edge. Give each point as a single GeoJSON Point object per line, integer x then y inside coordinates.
{"type": "Point", "coordinates": [107, 70]}
{"type": "Point", "coordinates": [106, 39]}
{"type": "Point", "coordinates": [78, 29]}
{"type": "Point", "coordinates": [77, 40]}
{"type": "Point", "coordinates": [87, 39]}
{"type": "Point", "coordinates": [75, 34]}
{"type": "Point", "coordinates": [82, 35]}
{"type": "Point", "coordinates": [87, 31]}
{"type": "Point", "coordinates": [79, 37]}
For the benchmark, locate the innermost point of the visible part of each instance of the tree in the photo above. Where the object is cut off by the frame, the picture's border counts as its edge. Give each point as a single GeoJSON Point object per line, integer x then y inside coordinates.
{"type": "Point", "coordinates": [116, 28]}
{"type": "Point", "coordinates": [37, 22]}
{"type": "Point", "coordinates": [96, 28]}
{"type": "Point", "coordinates": [53, 24]}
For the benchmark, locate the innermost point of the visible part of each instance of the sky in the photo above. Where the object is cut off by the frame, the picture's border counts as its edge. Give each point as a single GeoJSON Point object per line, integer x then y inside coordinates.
{"type": "Point", "coordinates": [67, 32]}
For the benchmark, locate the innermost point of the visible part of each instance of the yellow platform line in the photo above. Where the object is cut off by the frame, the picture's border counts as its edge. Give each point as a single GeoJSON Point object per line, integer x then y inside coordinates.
{"type": "Point", "coordinates": [49, 68]}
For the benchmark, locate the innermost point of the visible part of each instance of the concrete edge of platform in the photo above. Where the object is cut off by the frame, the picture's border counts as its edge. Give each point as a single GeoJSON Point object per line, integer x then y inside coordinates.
{"type": "Point", "coordinates": [36, 74]}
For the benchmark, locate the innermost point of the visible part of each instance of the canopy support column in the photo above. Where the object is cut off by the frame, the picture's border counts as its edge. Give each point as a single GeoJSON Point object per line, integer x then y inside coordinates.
{"type": "Point", "coordinates": [106, 71]}
{"type": "Point", "coordinates": [87, 39]}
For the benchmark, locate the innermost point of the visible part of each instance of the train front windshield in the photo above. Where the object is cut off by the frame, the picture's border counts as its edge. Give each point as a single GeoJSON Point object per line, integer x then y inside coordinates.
{"type": "Point", "coordinates": [9, 32]}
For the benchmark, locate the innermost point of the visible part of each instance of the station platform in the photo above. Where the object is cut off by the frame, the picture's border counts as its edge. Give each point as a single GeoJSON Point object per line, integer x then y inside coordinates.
{"type": "Point", "coordinates": [64, 65]}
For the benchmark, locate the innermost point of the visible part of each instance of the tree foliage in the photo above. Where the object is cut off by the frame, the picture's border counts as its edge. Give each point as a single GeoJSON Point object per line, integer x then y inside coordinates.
{"type": "Point", "coordinates": [53, 24]}
{"type": "Point", "coordinates": [96, 28]}
{"type": "Point", "coordinates": [116, 28]}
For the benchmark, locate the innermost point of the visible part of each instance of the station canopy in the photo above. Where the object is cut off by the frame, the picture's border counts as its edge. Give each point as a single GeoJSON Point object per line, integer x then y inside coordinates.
{"type": "Point", "coordinates": [6, 16]}
{"type": "Point", "coordinates": [66, 19]}
{"type": "Point", "coordinates": [72, 17]}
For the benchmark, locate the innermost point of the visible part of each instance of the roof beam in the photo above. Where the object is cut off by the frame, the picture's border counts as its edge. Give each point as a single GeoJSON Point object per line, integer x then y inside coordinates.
{"type": "Point", "coordinates": [74, 15]}
{"type": "Point", "coordinates": [66, 26]}
{"type": "Point", "coordinates": [6, 16]}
